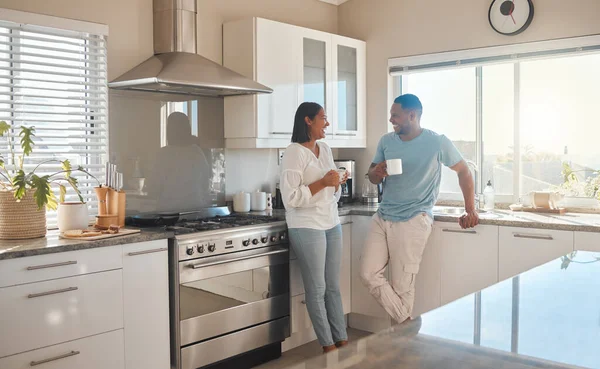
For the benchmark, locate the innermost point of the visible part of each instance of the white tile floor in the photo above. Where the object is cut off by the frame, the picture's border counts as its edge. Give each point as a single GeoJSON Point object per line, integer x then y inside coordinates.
{"type": "Point", "coordinates": [305, 352]}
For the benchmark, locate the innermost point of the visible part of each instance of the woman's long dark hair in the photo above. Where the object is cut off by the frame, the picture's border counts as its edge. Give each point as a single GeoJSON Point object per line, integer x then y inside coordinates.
{"type": "Point", "coordinates": [301, 132]}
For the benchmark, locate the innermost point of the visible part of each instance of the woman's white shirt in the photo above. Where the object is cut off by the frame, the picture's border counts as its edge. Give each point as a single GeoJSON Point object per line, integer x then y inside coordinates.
{"type": "Point", "coordinates": [299, 169]}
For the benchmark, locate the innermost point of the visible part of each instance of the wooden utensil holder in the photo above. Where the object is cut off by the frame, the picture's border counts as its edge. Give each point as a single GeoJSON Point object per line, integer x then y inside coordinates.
{"type": "Point", "coordinates": [116, 201]}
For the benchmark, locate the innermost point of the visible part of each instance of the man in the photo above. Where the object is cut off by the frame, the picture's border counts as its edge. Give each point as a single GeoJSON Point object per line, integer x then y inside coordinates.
{"type": "Point", "coordinates": [401, 227]}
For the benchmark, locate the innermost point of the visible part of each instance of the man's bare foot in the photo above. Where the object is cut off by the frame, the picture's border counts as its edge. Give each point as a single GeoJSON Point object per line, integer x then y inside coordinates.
{"type": "Point", "coordinates": [341, 343]}
{"type": "Point", "coordinates": [329, 348]}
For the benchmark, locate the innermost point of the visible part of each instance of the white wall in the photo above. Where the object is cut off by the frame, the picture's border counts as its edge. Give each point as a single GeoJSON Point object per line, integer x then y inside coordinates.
{"type": "Point", "coordinates": [394, 28]}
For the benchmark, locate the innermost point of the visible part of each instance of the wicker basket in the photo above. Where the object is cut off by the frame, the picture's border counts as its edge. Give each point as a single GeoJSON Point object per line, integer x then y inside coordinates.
{"type": "Point", "coordinates": [20, 220]}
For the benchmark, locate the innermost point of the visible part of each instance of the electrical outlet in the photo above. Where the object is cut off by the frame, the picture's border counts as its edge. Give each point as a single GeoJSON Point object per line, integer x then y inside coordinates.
{"type": "Point", "coordinates": [280, 153]}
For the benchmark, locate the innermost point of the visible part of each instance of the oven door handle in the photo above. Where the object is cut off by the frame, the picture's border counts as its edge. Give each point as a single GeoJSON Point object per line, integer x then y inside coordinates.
{"type": "Point", "coordinates": [203, 265]}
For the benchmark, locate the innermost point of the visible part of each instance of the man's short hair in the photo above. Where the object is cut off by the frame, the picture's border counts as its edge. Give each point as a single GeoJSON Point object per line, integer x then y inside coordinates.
{"type": "Point", "coordinates": [410, 102]}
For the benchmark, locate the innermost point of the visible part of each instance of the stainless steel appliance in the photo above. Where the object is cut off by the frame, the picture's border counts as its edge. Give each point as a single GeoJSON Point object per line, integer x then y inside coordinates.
{"type": "Point", "coordinates": [349, 188]}
{"type": "Point", "coordinates": [229, 286]}
{"type": "Point", "coordinates": [176, 68]}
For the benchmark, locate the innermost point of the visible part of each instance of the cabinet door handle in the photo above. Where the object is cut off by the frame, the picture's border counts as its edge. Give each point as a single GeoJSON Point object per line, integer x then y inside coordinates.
{"type": "Point", "coordinates": [281, 133]}
{"type": "Point", "coordinates": [68, 289]}
{"type": "Point", "coordinates": [533, 236]}
{"type": "Point", "coordinates": [345, 134]}
{"type": "Point", "coordinates": [467, 231]}
{"type": "Point", "coordinates": [147, 251]}
{"type": "Point", "coordinates": [35, 267]}
{"type": "Point", "coordinates": [72, 353]}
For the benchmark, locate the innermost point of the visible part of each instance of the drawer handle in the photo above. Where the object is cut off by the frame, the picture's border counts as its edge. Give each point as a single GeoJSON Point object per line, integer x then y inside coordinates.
{"type": "Point", "coordinates": [533, 236]}
{"type": "Point", "coordinates": [68, 289]}
{"type": "Point", "coordinates": [281, 133]}
{"type": "Point", "coordinates": [72, 353]}
{"type": "Point", "coordinates": [147, 251]}
{"type": "Point", "coordinates": [35, 267]}
{"type": "Point", "coordinates": [468, 231]}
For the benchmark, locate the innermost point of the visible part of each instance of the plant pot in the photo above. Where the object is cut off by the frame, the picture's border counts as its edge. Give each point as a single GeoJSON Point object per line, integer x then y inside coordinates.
{"type": "Point", "coordinates": [72, 215]}
{"type": "Point", "coordinates": [21, 219]}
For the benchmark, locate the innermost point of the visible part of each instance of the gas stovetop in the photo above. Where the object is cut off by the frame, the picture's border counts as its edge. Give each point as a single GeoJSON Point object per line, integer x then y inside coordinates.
{"type": "Point", "coordinates": [221, 222]}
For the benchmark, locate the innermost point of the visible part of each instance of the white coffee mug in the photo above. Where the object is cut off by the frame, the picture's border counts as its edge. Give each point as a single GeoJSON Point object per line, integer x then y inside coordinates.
{"type": "Point", "coordinates": [72, 215]}
{"type": "Point", "coordinates": [394, 166]}
{"type": "Point", "coordinates": [341, 173]}
{"type": "Point", "coordinates": [258, 201]}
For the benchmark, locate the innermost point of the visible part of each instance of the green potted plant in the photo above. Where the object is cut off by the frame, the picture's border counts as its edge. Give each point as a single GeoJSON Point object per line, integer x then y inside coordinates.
{"type": "Point", "coordinates": [24, 197]}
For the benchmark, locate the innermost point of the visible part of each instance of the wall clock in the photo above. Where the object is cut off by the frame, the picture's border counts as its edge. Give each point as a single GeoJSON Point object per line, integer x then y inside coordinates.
{"type": "Point", "coordinates": [510, 17]}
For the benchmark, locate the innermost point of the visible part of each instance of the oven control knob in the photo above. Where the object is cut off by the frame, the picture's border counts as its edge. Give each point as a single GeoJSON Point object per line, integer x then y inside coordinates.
{"type": "Point", "coordinates": [282, 236]}
{"type": "Point", "coordinates": [200, 248]}
{"type": "Point", "coordinates": [255, 241]}
{"type": "Point", "coordinates": [189, 251]}
{"type": "Point", "coordinates": [246, 242]}
{"type": "Point", "coordinates": [211, 247]}
{"type": "Point", "coordinates": [274, 238]}
{"type": "Point", "coordinates": [264, 239]}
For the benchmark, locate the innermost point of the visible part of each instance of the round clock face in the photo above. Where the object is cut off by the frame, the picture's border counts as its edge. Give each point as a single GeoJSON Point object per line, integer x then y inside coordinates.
{"type": "Point", "coordinates": [510, 17]}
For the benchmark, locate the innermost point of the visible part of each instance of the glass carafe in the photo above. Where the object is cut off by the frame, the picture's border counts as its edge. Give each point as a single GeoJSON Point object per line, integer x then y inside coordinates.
{"type": "Point", "coordinates": [369, 191]}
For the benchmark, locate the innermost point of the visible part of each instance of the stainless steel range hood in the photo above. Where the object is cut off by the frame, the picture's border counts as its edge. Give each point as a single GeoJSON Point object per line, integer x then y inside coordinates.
{"type": "Point", "coordinates": [176, 68]}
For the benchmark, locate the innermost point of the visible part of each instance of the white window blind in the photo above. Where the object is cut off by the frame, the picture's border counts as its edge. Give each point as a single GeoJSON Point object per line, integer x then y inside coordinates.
{"type": "Point", "coordinates": [55, 80]}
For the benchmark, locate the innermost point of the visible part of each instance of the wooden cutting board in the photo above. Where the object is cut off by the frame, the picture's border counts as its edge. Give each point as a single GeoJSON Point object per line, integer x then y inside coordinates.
{"type": "Point", "coordinates": [559, 211]}
{"type": "Point", "coordinates": [122, 232]}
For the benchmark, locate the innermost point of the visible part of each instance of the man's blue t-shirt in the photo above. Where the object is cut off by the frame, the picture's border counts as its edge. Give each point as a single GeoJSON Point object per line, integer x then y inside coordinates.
{"type": "Point", "coordinates": [416, 189]}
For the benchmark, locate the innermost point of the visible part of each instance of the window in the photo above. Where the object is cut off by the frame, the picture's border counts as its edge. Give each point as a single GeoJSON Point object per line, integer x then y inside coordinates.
{"type": "Point", "coordinates": [55, 80]}
{"type": "Point", "coordinates": [524, 114]}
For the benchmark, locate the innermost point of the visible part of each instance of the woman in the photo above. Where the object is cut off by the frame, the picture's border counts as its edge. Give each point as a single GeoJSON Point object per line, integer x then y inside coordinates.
{"type": "Point", "coordinates": [310, 188]}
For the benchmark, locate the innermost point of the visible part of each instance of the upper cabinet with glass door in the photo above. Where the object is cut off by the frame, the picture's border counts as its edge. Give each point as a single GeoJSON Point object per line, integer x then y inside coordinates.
{"type": "Point", "coordinates": [300, 65]}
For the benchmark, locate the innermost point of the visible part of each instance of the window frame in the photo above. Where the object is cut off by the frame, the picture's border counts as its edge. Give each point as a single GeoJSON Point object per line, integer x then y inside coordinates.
{"type": "Point", "coordinates": [479, 58]}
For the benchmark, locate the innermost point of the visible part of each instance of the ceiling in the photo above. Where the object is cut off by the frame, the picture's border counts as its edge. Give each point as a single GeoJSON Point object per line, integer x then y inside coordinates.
{"type": "Point", "coordinates": [334, 2]}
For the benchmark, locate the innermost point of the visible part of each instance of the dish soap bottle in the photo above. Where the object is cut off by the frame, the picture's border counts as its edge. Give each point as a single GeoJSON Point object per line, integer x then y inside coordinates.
{"type": "Point", "coordinates": [488, 196]}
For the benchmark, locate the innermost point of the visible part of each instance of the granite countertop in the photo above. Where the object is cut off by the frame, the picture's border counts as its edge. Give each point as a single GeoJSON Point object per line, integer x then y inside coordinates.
{"type": "Point", "coordinates": [567, 222]}
{"type": "Point", "coordinates": [546, 317]}
{"type": "Point", "coordinates": [52, 243]}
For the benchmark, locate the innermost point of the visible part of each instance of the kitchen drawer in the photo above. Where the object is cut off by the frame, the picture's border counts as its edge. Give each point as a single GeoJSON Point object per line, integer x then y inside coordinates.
{"type": "Point", "coordinates": [587, 241]}
{"type": "Point", "coordinates": [300, 318]}
{"type": "Point", "coordinates": [521, 249]}
{"type": "Point", "coordinates": [47, 313]}
{"type": "Point", "coordinates": [102, 351]}
{"type": "Point", "coordinates": [59, 265]}
{"type": "Point", "coordinates": [296, 284]}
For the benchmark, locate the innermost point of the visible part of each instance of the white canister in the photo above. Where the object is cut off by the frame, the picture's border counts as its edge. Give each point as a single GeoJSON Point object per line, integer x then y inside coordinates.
{"type": "Point", "coordinates": [258, 201]}
{"type": "Point", "coordinates": [72, 215]}
{"type": "Point", "coordinates": [241, 202]}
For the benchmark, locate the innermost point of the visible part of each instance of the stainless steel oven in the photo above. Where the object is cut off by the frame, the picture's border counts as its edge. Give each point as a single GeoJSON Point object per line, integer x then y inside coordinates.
{"type": "Point", "coordinates": [229, 293]}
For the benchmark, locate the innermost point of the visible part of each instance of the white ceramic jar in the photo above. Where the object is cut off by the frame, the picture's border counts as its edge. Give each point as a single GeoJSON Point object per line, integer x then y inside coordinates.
{"type": "Point", "coordinates": [259, 201]}
{"type": "Point", "coordinates": [72, 215]}
{"type": "Point", "coordinates": [241, 202]}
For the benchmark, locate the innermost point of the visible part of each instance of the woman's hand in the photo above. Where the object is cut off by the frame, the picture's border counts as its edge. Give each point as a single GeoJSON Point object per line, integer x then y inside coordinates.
{"type": "Point", "coordinates": [331, 179]}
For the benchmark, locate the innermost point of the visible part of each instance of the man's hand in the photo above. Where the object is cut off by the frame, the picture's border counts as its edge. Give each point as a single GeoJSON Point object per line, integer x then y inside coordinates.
{"type": "Point", "coordinates": [468, 219]}
{"type": "Point", "coordinates": [380, 170]}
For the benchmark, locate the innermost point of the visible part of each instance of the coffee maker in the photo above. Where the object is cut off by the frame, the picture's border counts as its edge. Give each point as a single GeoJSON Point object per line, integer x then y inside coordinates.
{"type": "Point", "coordinates": [348, 189]}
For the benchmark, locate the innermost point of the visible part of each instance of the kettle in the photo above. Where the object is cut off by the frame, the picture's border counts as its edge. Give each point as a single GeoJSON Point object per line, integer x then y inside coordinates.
{"type": "Point", "coordinates": [370, 192]}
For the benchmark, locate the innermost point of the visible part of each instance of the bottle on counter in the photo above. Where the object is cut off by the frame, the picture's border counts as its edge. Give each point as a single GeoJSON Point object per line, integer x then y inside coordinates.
{"type": "Point", "coordinates": [488, 196]}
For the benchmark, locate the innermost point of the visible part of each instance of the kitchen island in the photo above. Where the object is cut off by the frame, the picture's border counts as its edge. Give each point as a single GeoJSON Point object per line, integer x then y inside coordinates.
{"type": "Point", "coordinates": [547, 317]}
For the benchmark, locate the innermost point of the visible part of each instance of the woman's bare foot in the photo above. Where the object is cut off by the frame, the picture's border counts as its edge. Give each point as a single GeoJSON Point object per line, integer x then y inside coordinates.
{"type": "Point", "coordinates": [341, 343]}
{"type": "Point", "coordinates": [329, 348]}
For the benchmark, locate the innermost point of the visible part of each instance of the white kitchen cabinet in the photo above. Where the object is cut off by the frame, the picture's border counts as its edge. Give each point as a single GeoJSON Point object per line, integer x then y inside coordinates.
{"type": "Point", "coordinates": [469, 259]}
{"type": "Point", "coordinates": [146, 305]}
{"type": "Point", "coordinates": [428, 281]}
{"type": "Point", "coordinates": [47, 313]}
{"type": "Point", "coordinates": [587, 241]}
{"type": "Point", "coordinates": [299, 64]}
{"type": "Point", "coordinates": [101, 351]}
{"type": "Point", "coordinates": [345, 269]}
{"type": "Point", "coordinates": [521, 249]}
{"type": "Point", "coordinates": [362, 301]}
